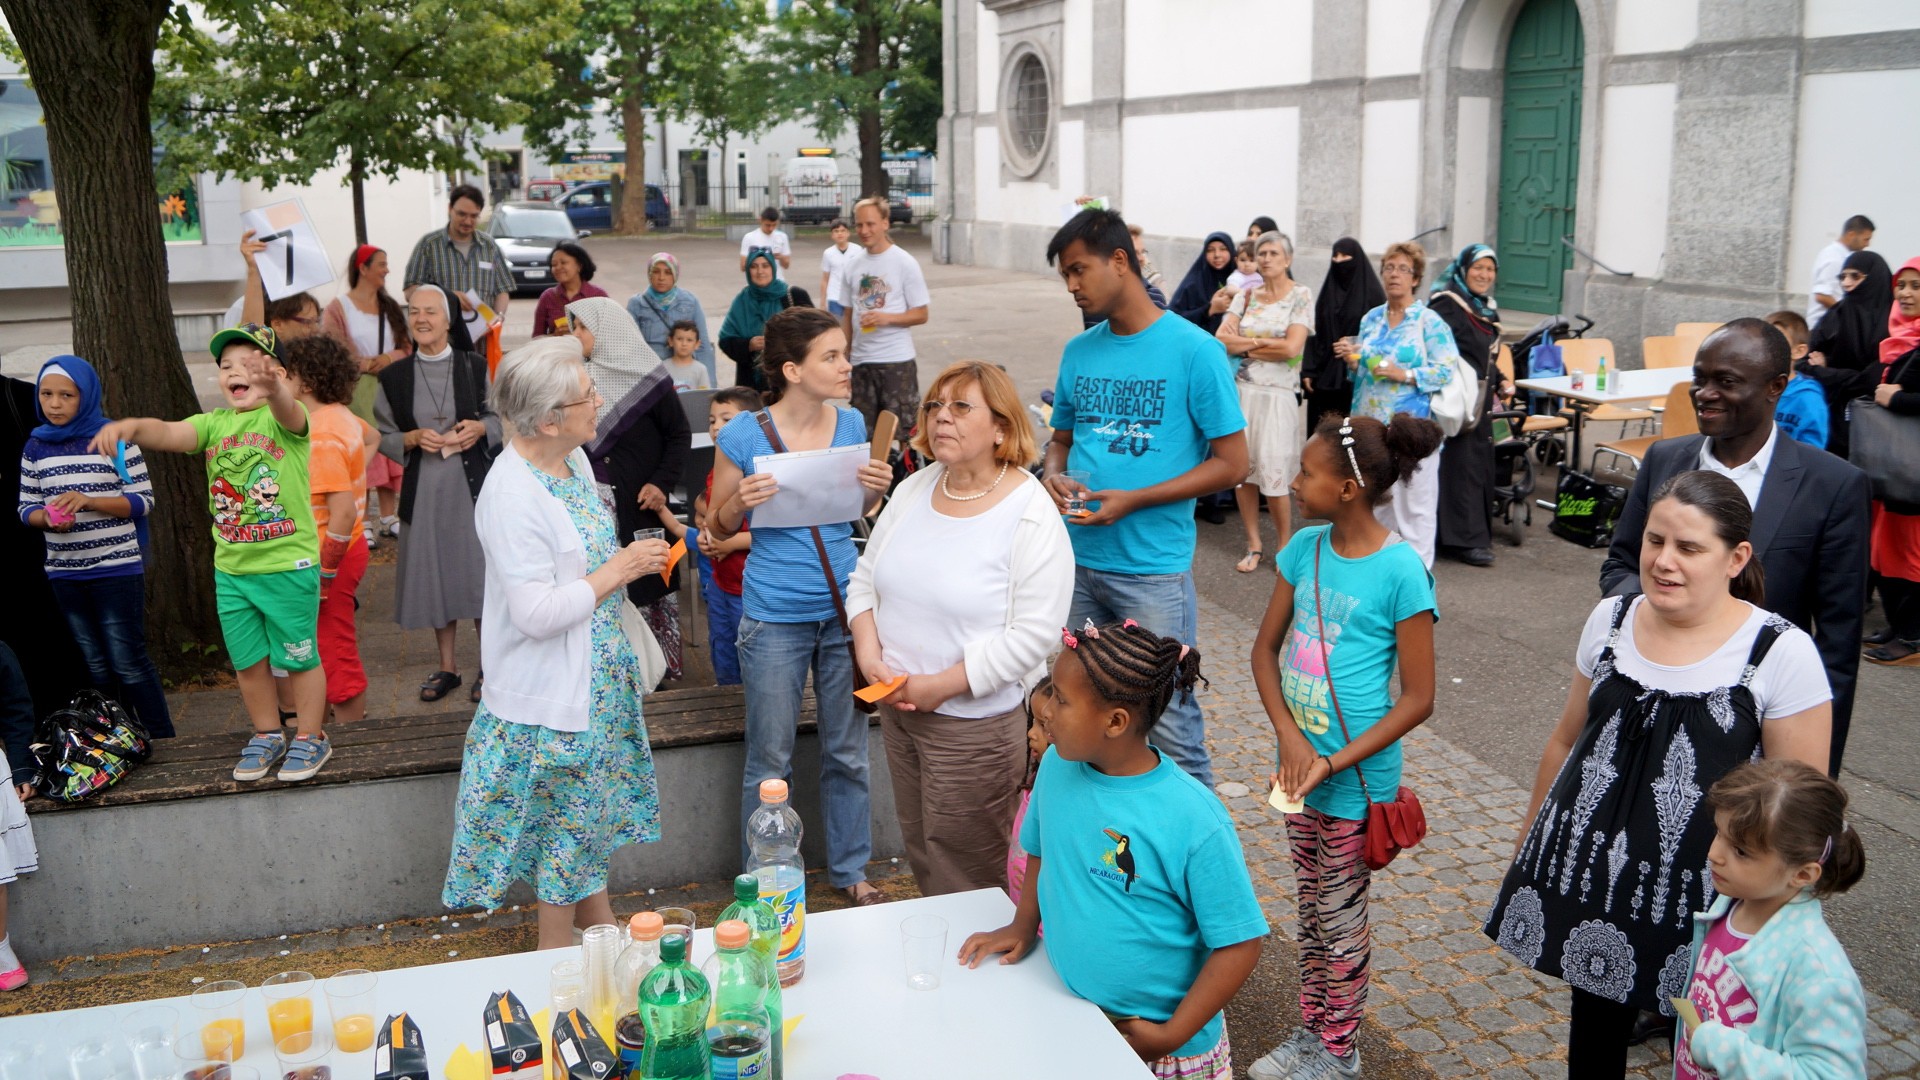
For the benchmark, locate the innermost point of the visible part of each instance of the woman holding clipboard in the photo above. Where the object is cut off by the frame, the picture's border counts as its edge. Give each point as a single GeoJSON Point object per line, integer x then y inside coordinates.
{"type": "Point", "coordinates": [795, 585]}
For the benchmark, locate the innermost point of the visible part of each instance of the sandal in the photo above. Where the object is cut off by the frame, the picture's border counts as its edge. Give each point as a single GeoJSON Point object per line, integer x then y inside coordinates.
{"type": "Point", "coordinates": [863, 899]}
{"type": "Point", "coordinates": [438, 685]}
{"type": "Point", "coordinates": [474, 694]}
{"type": "Point", "coordinates": [1250, 561]}
{"type": "Point", "coordinates": [1895, 653]}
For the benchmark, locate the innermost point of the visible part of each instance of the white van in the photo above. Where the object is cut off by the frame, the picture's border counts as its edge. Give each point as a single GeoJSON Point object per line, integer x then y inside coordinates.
{"type": "Point", "coordinates": [810, 190]}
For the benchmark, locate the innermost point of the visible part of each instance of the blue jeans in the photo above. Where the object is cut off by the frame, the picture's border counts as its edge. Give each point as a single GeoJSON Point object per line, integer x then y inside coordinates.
{"type": "Point", "coordinates": [108, 618]}
{"type": "Point", "coordinates": [776, 658]}
{"type": "Point", "coordinates": [1167, 605]}
{"type": "Point", "coordinates": [723, 618]}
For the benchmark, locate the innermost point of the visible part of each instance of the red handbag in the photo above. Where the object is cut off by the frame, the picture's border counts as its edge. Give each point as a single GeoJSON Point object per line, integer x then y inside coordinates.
{"type": "Point", "coordinates": [1391, 826]}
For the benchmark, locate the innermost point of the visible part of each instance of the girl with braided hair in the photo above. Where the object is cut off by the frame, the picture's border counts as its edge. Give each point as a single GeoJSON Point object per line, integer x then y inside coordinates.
{"type": "Point", "coordinates": [1352, 600]}
{"type": "Point", "coordinates": [1149, 910]}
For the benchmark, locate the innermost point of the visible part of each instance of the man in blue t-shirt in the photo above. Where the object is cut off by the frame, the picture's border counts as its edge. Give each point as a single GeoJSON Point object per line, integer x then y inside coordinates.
{"type": "Point", "coordinates": [1146, 408]}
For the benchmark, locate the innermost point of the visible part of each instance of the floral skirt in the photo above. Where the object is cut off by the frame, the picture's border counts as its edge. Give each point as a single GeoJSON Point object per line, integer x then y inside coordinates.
{"type": "Point", "coordinates": [550, 807]}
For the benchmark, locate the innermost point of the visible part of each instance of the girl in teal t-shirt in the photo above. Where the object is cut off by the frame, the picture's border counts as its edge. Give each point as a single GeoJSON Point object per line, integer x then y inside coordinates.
{"type": "Point", "coordinates": [1352, 601]}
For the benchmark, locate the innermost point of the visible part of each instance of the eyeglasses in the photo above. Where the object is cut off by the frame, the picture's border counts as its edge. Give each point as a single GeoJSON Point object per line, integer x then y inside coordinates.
{"type": "Point", "coordinates": [1396, 268]}
{"type": "Point", "coordinates": [593, 395]}
{"type": "Point", "coordinates": [960, 409]}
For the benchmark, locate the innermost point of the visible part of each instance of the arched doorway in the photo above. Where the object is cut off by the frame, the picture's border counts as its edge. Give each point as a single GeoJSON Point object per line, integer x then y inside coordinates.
{"type": "Point", "coordinates": [1539, 153]}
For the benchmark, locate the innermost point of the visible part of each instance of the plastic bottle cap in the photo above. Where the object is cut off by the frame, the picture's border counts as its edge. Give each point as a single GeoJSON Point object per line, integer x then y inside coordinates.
{"type": "Point", "coordinates": [772, 791]}
{"type": "Point", "coordinates": [732, 934]}
{"type": "Point", "coordinates": [646, 926]}
{"type": "Point", "coordinates": [746, 888]}
{"type": "Point", "coordinates": [673, 949]}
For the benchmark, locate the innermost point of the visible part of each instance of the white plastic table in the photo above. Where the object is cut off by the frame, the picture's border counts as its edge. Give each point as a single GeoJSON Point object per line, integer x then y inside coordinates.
{"type": "Point", "coordinates": [859, 1016]}
{"type": "Point", "coordinates": [1623, 388]}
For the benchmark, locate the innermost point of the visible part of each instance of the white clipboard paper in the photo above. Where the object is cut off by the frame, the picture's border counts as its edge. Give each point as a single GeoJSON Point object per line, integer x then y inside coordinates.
{"type": "Point", "coordinates": [295, 260]}
{"type": "Point", "coordinates": [817, 487]}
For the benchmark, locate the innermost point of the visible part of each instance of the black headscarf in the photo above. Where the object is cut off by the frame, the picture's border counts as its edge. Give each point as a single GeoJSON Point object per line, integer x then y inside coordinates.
{"type": "Point", "coordinates": [1195, 294]}
{"type": "Point", "coordinates": [1849, 335]}
{"type": "Point", "coordinates": [1350, 291]}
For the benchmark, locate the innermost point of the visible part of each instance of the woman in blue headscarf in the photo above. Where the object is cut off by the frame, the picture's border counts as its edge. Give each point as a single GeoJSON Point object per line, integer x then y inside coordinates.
{"type": "Point", "coordinates": [92, 510]}
{"type": "Point", "coordinates": [1462, 295]}
{"type": "Point", "coordinates": [662, 303]}
{"type": "Point", "coordinates": [1201, 298]}
{"type": "Point", "coordinates": [743, 334]}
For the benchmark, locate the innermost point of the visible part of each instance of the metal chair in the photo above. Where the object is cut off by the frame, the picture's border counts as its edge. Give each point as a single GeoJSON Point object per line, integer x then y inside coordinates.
{"type": "Point", "coordinates": [1677, 419]}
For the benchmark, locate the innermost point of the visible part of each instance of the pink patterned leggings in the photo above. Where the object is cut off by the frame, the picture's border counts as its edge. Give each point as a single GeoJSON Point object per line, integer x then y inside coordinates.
{"type": "Point", "coordinates": [1336, 947]}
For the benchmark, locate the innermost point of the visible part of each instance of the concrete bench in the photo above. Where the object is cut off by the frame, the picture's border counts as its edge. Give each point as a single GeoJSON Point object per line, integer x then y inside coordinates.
{"type": "Point", "coordinates": [180, 853]}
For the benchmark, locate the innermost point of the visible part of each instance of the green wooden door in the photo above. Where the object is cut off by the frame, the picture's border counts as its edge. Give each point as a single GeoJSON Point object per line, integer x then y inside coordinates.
{"type": "Point", "coordinates": [1539, 154]}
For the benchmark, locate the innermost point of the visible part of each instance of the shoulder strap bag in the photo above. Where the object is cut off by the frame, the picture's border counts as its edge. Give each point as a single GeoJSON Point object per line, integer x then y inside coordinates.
{"type": "Point", "coordinates": [1391, 826]}
{"type": "Point", "coordinates": [1886, 445]}
{"type": "Point", "coordinates": [826, 567]}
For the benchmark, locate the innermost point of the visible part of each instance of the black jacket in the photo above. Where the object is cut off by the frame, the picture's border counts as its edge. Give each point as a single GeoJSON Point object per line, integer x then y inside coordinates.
{"type": "Point", "coordinates": [1810, 534]}
{"type": "Point", "coordinates": [652, 450]}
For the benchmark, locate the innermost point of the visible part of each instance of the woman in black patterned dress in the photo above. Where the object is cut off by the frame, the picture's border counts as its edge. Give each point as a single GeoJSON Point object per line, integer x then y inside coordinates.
{"type": "Point", "coordinates": [1674, 689]}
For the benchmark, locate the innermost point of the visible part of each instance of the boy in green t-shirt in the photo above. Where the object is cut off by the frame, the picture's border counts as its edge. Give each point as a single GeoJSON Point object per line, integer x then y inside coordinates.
{"type": "Point", "coordinates": [266, 554]}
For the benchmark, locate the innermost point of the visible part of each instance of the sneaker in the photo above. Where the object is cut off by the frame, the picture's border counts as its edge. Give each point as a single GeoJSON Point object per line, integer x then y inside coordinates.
{"type": "Point", "coordinates": [1279, 1062]}
{"type": "Point", "coordinates": [1318, 1063]}
{"type": "Point", "coordinates": [305, 755]}
{"type": "Point", "coordinates": [259, 755]}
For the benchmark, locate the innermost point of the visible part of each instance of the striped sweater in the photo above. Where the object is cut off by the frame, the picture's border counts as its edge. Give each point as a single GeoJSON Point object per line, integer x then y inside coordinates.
{"type": "Point", "coordinates": [98, 545]}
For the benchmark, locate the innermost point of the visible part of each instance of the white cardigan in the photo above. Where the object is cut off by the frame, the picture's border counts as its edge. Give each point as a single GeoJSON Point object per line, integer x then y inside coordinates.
{"type": "Point", "coordinates": [537, 651]}
{"type": "Point", "coordinates": [1039, 583]}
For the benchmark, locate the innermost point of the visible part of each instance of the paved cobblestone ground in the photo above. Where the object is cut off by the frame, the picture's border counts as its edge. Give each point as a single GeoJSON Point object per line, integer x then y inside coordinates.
{"type": "Point", "coordinates": [1441, 989]}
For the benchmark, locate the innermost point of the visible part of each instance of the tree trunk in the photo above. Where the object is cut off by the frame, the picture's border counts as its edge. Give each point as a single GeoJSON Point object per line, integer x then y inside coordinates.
{"type": "Point", "coordinates": [633, 129]}
{"type": "Point", "coordinates": [357, 173]}
{"type": "Point", "coordinates": [92, 65]}
{"type": "Point", "coordinates": [866, 61]}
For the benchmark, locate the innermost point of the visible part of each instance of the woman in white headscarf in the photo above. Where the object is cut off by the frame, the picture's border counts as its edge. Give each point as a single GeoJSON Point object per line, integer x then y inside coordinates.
{"type": "Point", "coordinates": [639, 446]}
{"type": "Point", "coordinates": [433, 418]}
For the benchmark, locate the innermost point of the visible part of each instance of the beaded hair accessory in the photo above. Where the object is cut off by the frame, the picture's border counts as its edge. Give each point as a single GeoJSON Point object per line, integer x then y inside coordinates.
{"type": "Point", "coordinates": [1346, 443]}
{"type": "Point", "coordinates": [1827, 851]}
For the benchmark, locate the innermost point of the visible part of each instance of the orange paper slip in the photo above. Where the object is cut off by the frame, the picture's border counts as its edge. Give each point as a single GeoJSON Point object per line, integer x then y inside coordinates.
{"type": "Point", "coordinates": [873, 692]}
{"type": "Point", "coordinates": [674, 554]}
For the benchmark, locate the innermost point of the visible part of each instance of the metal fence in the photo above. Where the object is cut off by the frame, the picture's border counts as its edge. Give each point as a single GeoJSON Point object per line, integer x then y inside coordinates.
{"type": "Point", "coordinates": [700, 207]}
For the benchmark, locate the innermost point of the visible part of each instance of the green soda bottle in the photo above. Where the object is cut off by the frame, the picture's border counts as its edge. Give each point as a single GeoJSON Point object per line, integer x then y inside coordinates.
{"type": "Point", "coordinates": [674, 1000]}
{"type": "Point", "coordinates": [761, 919]}
{"type": "Point", "coordinates": [745, 1028]}
{"type": "Point", "coordinates": [1600, 376]}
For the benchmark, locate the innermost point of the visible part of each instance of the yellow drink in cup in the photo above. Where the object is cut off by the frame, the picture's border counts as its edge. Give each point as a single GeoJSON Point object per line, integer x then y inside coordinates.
{"type": "Point", "coordinates": [224, 1039]}
{"type": "Point", "coordinates": [292, 1016]}
{"type": "Point", "coordinates": [353, 1034]}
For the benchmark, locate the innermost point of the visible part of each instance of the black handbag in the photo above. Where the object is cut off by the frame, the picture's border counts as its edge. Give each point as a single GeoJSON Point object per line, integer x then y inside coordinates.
{"type": "Point", "coordinates": [87, 747]}
{"type": "Point", "coordinates": [1586, 510]}
{"type": "Point", "coordinates": [1886, 445]}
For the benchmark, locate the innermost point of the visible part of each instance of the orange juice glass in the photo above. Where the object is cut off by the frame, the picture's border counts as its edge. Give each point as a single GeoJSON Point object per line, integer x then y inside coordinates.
{"type": "Point", "coordinates": [289, 1004]}
{"type": "Point", "coordinates": [352, 1002]}
{"type": "Point", "coordinates": [223, 1028]}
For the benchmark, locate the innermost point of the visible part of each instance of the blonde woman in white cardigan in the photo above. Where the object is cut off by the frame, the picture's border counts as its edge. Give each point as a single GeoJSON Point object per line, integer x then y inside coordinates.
{"type": "Point", "coordinates": [963, 589]}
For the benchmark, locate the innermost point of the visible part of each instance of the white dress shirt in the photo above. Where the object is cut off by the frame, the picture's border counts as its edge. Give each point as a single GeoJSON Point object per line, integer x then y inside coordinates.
{"type": "Point", "coordinates": [1826, 280]}
{"type": "Point", "coordinates": [1750, 476]}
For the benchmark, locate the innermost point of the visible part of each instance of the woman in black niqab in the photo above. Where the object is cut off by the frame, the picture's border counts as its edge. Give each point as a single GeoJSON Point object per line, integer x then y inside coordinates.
{"type": "Point", "coordinates": [1848, 341]}
{"type": "Point", "coordinates": [1350, 291]}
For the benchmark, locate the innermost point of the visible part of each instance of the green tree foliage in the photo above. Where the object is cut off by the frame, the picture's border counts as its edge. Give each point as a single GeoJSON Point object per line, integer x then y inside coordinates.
{"type": "Point", "coordinates": [277, 90]}
{"type": "Point", "coordinates": [636, 57]}
{"type": "Point", "coordinates": [874, 64]}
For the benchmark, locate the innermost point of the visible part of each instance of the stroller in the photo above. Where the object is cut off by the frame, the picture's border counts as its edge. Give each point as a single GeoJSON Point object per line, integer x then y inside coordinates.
{"type": "Point", "coordinates": [1541, 436]}
{"type": "Point", "coordinates": [1513, 476]}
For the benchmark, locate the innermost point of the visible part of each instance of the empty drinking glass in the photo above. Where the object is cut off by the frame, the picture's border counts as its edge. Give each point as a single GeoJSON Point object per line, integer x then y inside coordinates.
{"type": "Point", "coordinates": [149, 1035]}
{"type": "Point", "coordinates": [923, 939]}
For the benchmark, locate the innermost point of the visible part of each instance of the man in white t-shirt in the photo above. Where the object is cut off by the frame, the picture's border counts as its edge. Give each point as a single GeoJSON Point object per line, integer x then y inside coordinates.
{"type": "Point", "coordinates": [1855, 235]}
{"type": "Point", "coordinates": [834, 260]}
{"type": "Point", "coordinates": [884, 294]}
{"type": "Point", "coordinates": [770, 239]}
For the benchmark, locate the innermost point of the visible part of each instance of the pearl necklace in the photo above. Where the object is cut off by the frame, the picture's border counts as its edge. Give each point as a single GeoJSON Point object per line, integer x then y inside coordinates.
{"type": "Point", "coordinates": [948, 492]}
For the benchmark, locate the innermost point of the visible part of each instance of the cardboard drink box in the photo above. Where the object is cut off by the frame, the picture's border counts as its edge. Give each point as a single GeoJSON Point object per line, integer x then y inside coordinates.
{"type": "Point", "coordinates": [399, 1053]}
{"type": "Point", "coordinates": [512, 1042]}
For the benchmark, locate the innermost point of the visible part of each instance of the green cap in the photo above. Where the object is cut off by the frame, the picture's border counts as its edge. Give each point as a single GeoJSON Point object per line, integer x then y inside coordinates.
{"type": "Point", "coordinates": [673, 949]}
{"type": "Point", "coordinates": [746, 888]}
{"type": "Point", "coordinates": [261, 337]}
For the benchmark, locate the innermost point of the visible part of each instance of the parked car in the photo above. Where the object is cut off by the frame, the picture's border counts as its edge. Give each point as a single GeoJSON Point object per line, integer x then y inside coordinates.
{"type": "Point", "coordinates": [527, 232]}
{"type": "Point", "coordinates": [590, 205]}
{"type": "Point", "coordinates": [810, 190]}
{"type": "Point", "coordinates": [545, 190]}
{"type": "Point", "coordinates": [899, 211]}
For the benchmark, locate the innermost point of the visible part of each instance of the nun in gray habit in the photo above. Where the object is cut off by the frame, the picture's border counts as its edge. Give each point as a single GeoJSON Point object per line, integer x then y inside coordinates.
{"type": "Point", "coordinates": [433, 418]}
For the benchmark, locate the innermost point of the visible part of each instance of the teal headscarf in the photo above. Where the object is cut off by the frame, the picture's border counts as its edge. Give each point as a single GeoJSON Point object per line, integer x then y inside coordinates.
{"type": "Point", "coordinates": [1453, 278]}
{"type": "Point", "coordinates": [755, 304]}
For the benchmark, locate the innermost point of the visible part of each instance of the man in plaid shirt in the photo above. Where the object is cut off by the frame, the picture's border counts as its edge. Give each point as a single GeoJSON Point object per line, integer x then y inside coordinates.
{"type": "Point", "coordinates": [462, 259]}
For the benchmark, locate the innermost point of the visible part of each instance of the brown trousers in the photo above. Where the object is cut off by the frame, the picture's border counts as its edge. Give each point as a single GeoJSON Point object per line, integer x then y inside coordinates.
{"type": "Point", "coordinates": [956, 785]}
